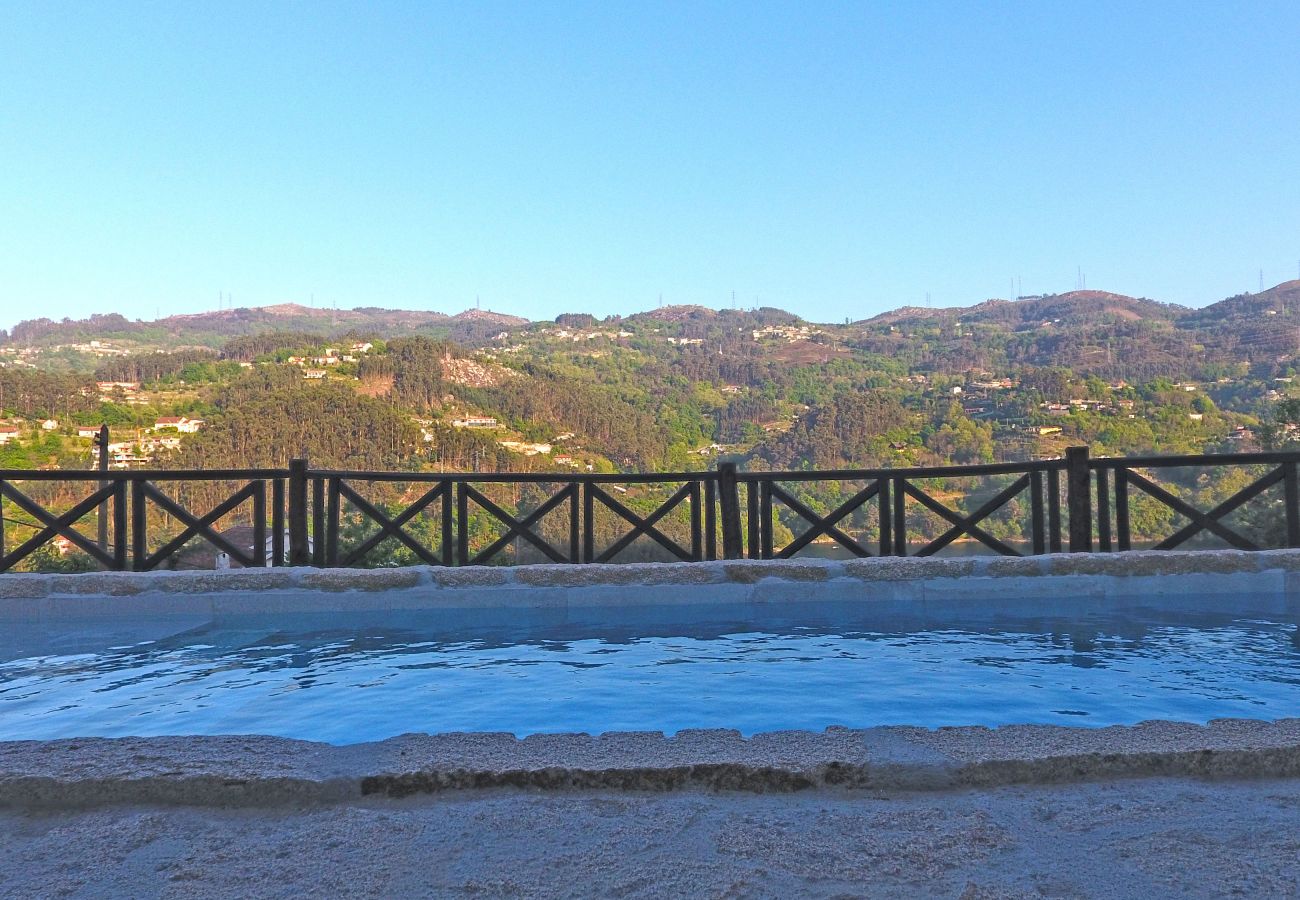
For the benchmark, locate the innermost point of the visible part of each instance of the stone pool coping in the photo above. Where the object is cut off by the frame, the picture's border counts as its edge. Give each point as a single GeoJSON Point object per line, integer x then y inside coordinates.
{"type": "Point", "coordinates": [35, 597]}
{"type": "Point", "coordinates": [259, 771]}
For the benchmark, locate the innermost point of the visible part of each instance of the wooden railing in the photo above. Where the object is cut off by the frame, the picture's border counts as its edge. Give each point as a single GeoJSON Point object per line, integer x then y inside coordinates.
{"type": "Point", "coordinates": [456, 495]}
{"type": "Point", "coordinates": [298, 515]}
{"type": "Point", "coordinates": [891, 489]}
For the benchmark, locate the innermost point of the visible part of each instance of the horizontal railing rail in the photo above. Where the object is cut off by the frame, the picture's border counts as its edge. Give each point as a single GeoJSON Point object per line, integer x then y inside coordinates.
{"type": "Point", "coordinates": [149, 518]}
{"type": "Point", "coordinates": [518, 477]}
{"type": "Point", "coordinates": [129, 475]}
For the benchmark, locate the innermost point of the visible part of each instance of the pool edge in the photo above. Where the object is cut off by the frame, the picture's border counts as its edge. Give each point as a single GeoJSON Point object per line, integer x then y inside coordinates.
{"type": "Point", "coordinates": [259, 771]}
{"type": "Point", "coordinates": [51, 598]}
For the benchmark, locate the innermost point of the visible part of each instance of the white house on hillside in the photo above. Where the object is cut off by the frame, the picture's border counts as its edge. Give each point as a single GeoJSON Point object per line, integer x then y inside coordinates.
{"type": "Point", "coordinates": [182, 424]}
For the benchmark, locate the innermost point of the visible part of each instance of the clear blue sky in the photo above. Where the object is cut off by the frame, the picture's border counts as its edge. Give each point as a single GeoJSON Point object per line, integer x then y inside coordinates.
{"type": "Point", "coordinates": [835, 160]}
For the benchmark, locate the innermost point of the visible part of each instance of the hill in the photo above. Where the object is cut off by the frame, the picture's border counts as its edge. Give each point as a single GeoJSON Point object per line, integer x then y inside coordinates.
{"type": "Point", "coordinates": [488, 317]}
{"type": "Point", "coordinates": [1260, 326]}
{"type": "Point", "coordinates": [213, 328]}
{"type": "Point", "coordinates": [1282, 299]}
{"type": "Point", "coordinates": [1072, 308]}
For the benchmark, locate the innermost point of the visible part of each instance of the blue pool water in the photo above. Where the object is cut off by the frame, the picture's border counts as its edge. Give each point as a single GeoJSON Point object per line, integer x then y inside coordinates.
{"type": "Point", "coordinates": [345, 678]}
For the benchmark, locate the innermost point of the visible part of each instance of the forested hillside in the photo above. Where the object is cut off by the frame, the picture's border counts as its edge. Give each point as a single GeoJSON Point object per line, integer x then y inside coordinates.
{"type": "Point", "coordinates": [673, 388]}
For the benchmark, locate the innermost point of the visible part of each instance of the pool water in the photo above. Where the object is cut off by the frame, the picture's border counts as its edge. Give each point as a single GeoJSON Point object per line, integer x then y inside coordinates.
{"type": "Point", "coordinates": [345, 679]}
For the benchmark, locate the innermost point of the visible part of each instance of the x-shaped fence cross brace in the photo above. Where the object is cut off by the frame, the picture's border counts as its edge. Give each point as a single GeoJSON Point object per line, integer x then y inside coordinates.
{"type": "Point", "coordinates": [515, 527]}
{"type": "Point", "coordinates": [393, 527]}
{"type": "Point", "coordinates": [824, 524]}
{"type": "Point", "coordinates": [641, 525]}
{"type": "Point", "coordinates": [1202, 521]}
{"type": "Point", "coordinates": [56, 525]}
{"type": "Point", "coordinates": [967, 524]}
{"type": "Point", "coordinates": [199, 525]}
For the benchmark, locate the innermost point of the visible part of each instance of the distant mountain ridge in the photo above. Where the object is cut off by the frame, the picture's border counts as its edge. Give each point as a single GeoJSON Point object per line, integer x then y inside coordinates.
{"type": "Point", "coordinates": [1281, 299]}
{"type": "Point", "coordinates": [363, 314]}
{"type": "Point", "coordinates": [1073, 328]}
{"type": "Point", "coordinates": [213, 327]}
{"type": "Point", "coordinates": [1071, 308]}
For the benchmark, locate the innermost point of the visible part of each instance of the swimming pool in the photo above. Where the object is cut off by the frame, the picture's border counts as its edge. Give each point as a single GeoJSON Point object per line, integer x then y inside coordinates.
{"type": "Point", "coordinates": [352, 677]}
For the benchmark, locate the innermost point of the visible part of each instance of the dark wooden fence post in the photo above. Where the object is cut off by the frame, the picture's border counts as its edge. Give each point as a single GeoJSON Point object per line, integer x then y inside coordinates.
{"type": "Point", "coordinates": [1291, 488]}
{"type": "Point", "coordinates": [299, 551]}
{"type": "Point", "coordinates": [139, 524]}
{"type": "Point", "coordinates": [1078, 493]}
{"type": "Point", "coordinates": [101, 441]}
{"type": "Point", "coordinates": [729, 501]}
